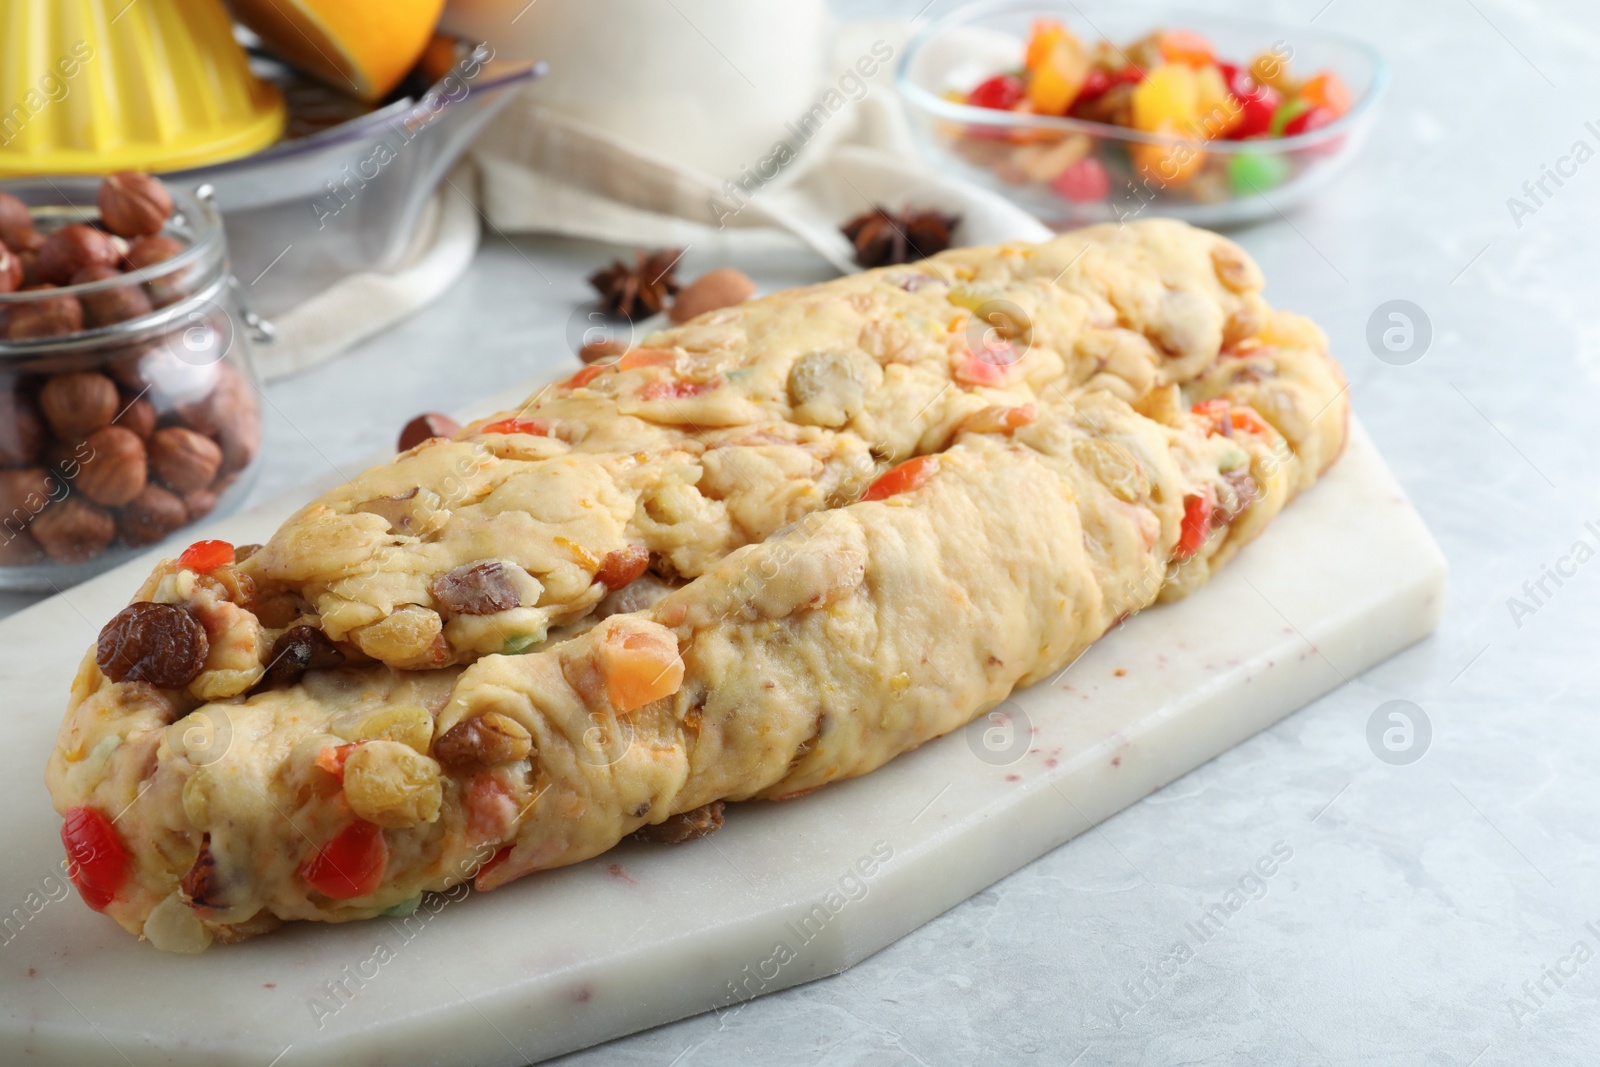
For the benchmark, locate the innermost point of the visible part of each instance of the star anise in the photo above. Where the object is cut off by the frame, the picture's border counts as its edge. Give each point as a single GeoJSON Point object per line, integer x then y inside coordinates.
{"type": "Point", "coordinates": [884, 237]}
{"type": "Point", "coordinates": [642, 288]}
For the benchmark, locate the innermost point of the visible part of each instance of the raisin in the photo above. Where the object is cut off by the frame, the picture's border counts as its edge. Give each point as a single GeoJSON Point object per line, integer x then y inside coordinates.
{"type": "Point", "coordinates": [623, 566]}
{"type": "Point", "coordinates": [201, 883]}
{"type": "Point", "coordinates": [685, 826]}
{"type": "Point", "coordinates": [481, 588]}
{"type": "Point", "coordinates": [156, 643]}
{"type": "Point", "coordinates": [488, 739]}
{"type": "Point", "coordinates": [300, 649]}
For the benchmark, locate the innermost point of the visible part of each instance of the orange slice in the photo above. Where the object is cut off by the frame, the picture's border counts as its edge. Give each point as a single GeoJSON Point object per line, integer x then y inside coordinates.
{"type": "Point", "coordinates": [363, 47]}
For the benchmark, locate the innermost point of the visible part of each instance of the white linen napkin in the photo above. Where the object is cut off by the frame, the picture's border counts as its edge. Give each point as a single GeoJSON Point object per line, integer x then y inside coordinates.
{"type": "Point", "coordinates": [547, 173]}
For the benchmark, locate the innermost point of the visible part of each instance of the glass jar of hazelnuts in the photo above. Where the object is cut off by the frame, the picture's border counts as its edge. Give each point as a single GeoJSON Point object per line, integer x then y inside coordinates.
{"type": "Point", "coordinates": [128, 400]}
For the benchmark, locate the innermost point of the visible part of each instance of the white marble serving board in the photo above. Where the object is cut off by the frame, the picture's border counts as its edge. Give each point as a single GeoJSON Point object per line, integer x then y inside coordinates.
{"type": "Point", "coordinates": [785, 893]}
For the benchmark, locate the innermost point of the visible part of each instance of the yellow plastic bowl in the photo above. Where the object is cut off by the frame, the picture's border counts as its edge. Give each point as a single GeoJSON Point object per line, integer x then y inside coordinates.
{"type": "Point", "coordinates": [96, 86]}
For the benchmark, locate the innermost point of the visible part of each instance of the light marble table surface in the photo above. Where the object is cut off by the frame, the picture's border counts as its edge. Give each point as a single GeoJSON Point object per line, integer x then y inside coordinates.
{"type": "Point", "coordinates": [1432, 912]}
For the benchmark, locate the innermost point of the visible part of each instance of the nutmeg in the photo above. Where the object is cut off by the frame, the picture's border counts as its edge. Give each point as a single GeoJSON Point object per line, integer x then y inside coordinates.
{"type": "Point", "coordinates": [74, 530]}
{"type": "Point", "coordinates": [148, 251]}
{"type": "Point", "coordinates": [139, 416]}
{"type": "Point", "coordinates": [45, 316]}
{"type": "Point", "coordinates": [16, 224]}
{"type": "Point", "coordinates": [134, 204]}
{"type": "Point", "coordinates": [150, 516]}
{"type": "Point", "coordinates": [78, 403]}
{"type": "Point", "coordinates": [723, 287]}
{"type": "Point", "coordinates": [11, 271]}
{"type": "Point", "coordinates": [114, 470]}
{"type": "Point", "coordinates": [73, 248]}
{"type": "Point", "coordinates": [21, 430]}
{"type": "Point", "coordinates": [109, 306]}
{"type": "Point", "coordinates": [184, 460]}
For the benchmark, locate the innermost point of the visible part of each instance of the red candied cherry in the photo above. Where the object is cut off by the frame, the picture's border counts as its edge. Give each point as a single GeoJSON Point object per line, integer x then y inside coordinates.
{"type": "Point", "coordinates": [1196, 526]}
{"type": "Point", "coordinates": [903, 478]}
{"type": "Point", "coordinates": [527, 426]}
{"type": "Point", "coordinates": [97, 861]}
{"type": "Point", "coordinates": [1257, 102]}
{"type": "Point", "coordinates": [351, 865]}
{"type": "Point", "coordinates": [1311, 119]}
{"type": "Point", "coordinates": [498, 860]}
{"type": "Point", "coordinates": [584, 376]}
{"type": "Point", "coordinates": [1083, 182]}
{"type": "Point", "coordinates": [1001, 93]}
{"type": "Point", "coordinates": [203, 557]}
{"type": "Point", "coordinates": [671, 389]}
{"type": "Point", "coordinates": [1094, 85]}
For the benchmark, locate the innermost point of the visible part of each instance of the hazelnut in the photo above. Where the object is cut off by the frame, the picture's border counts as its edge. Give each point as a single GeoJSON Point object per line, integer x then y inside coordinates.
{"type": "Point", "coordinates": [45, 316]}
{"type": "Point", "coordinates": [108, 306]}
{"type": "Point", "coordinates": [426, 426]}
{"type": "Point", "coordinates": [19, 549]}
{"type": "Point", "coordinates": [723, 287]}
{"type": "Point", "coordinates": [65, 459]}
{"type": "Point", "coordinates": [16, 224]}
{"type": "Point", "coordinates": [240, 440]}
{"type": "Point", "coordinates": [184, 460]}
{"type": "Point", "coordinates": [78, 403]}
{"type": "Point", "coordinates": [74, 530]}
{"type": "Point", "coordinates": [150, 516]}
{"type": "Point", "coordinates": [199, 503]}
{"type": "Point", "coordinates": [229, 415]}
{"type": "Point", "coordinates": [139, 416]}
{"type": "Point", "coordinates": [23, 494]}
{"type": "Point", "coordinates": [127, 367]}
{"type": "Point", "coordinates": [29, 258]}
{"type": "Point", "coordinates": [114, 471]}
{"type": "Point", "coordinates": [74, 248]}
{"type": "Point", "coordinates": [148, 251]}
{"type": "Point", "coordinates": [21, 431]}
{"type": "Point", "coordinates": [134, 204]}
{"type": "Point", "coordinates": [10, 271]}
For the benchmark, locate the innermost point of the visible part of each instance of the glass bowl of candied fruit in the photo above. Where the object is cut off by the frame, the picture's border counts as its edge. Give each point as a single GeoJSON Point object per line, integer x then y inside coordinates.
{"type": "Point", "coordinates": [1086, 113]}
{"type": "Point", "coordinates": [128, 402]}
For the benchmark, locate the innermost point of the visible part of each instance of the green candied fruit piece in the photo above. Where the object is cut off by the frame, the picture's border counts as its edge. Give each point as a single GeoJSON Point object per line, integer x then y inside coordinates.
{"type": "Point", "coordinates": [1287, 112]}
{"type": "Point", "coordinates": [1233, 459]}
{"type": "Point", "coordinates": [404, 908]}
{"type": "Point", "coordinates": [1256, 172]}
{"type": "Point", "coordinates": [516, 646]}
